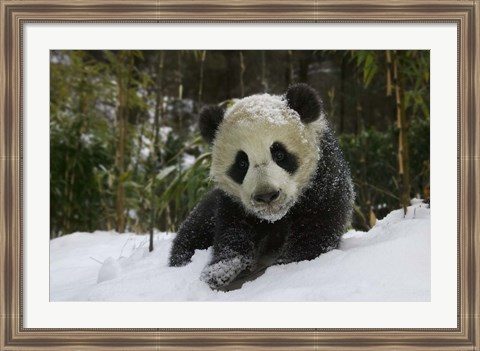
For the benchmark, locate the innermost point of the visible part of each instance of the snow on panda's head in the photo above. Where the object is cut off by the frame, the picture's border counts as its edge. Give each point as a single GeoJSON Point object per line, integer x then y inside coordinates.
{"type": "Point", "coordinates": [265, 148]}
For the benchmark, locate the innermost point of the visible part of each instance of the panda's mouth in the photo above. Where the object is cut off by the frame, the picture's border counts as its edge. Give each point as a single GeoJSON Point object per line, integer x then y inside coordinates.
{"type": "Point", "coordinates": [272, 212]}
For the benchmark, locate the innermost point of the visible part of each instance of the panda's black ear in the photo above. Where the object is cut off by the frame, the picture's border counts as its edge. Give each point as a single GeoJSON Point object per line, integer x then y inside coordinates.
{"type": "Point", "coordinates": [305, 100]}
{"type": "Point", "coordinates": [210, 118]}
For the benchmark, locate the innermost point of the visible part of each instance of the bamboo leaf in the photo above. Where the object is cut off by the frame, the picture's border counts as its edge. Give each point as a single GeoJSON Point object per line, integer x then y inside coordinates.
{"type": "Point", "coordinates": [369, 74]}
{"type": "Point", "coordinates": [165, 172]}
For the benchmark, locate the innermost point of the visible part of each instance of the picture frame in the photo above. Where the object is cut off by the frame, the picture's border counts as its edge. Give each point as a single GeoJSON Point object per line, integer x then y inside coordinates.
{"type": "Point", "coordinates": [15, 14]}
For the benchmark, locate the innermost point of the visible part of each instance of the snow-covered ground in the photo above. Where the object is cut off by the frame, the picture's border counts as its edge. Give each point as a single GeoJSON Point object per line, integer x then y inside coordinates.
{"type": "Point", "coordinates": [391, 262]}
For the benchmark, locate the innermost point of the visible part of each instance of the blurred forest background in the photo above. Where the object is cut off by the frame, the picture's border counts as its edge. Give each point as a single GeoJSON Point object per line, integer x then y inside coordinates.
{"type": "Point", "coordinates": [126, 154]}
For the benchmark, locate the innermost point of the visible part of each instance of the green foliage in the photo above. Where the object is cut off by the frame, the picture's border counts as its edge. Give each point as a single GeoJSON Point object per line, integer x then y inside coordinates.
{"type": "Point", "coordinates": [372, 156]}
{"type": "Point", "coordinates": [79, 144]}
{"type": "Point", "coordinates": [368, 61]}
{"type": "Point", "coordinates": [76, 197]}
{"type": "Point", "coordinates": [373, 151]}
{"type": "Point", "coordinates": [415, 66]}
{"type": "Point", "coordinates": [419, 134]}
{"type": "Point", "coordinates": [178, 185]}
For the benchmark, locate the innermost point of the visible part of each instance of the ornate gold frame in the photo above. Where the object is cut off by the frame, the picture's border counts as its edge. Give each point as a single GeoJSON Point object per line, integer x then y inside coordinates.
{"type": "Point", "coordinates": [15, 13]}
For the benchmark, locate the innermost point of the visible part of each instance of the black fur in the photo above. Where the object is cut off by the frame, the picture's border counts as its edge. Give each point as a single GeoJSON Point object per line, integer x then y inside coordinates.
{"type": "Point", "coordinates": [239, 169]}
{"type": "Point", "coordinates": [305, 100]}
{"type": "Point", "coordinates": [210, 118]}
{"type": "Point", "coordinates": [241, 241]}
{"type": "Point", "coordinates": [196, 232]}
{"type": "Point", "coordinates": [284, 158]}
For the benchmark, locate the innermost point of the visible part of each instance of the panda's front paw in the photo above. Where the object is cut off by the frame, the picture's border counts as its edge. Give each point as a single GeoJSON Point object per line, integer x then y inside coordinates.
{"type": "Point", "coordinates": [218, 275]}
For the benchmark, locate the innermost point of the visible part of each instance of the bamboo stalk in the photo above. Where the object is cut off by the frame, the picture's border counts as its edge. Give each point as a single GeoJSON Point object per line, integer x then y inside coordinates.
{"type": "Point", "coordinates": [180, 87]}
{"type": "Point", "coordinates": [264, 68]}
{"type": "Point", "coordinates": [389, 73]}
{"type": "Point", "coordinates": [242, 71]}
{"type": "Point", "coordinates": [203, 56]}
{"type": "Point", "coordinates": [289, 68]}
{"type": "Point", "coordinates": [124, 68]}
{"type": "Point", "coordinates": [403, 159]}
{"type": "Point", "coordinates": [153, 153]}
{"type": "Point", "coordinates": [180, 75]}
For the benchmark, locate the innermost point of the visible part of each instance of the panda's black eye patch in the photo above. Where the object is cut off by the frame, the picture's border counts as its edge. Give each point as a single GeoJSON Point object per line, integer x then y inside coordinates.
{"type": "Point", "coordinates": [283, 158]}
{"type": "Point", "coordinates": [239, 168]}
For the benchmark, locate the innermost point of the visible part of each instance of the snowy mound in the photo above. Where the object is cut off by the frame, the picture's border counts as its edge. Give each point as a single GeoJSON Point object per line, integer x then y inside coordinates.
{"type": "Point", "coordinates": [391, 262]}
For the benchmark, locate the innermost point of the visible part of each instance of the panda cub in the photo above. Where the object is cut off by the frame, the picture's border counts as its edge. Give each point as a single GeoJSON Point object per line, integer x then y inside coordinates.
{"type": "Point", "coordinates": [283, 191]}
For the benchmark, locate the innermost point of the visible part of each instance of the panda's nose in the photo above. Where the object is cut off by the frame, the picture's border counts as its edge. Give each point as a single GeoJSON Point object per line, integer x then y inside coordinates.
{"type": "Point", "coordinates": [266, 198]}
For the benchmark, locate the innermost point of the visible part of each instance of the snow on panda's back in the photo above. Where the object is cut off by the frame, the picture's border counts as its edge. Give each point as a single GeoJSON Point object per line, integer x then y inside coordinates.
{"type": "Point", "coordinates": [264, 155]}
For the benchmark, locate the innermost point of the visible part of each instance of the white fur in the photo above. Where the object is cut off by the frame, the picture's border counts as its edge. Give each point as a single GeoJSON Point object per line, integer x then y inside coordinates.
{"type": "Point", "coordinates": [252, 125]}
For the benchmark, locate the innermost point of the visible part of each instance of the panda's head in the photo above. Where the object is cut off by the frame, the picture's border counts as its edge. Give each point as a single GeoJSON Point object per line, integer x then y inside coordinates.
{"type": "Point", "coordinates": [265, 148]}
